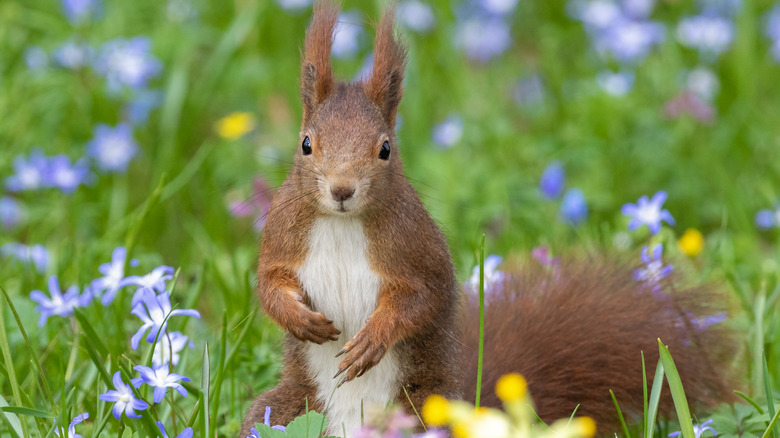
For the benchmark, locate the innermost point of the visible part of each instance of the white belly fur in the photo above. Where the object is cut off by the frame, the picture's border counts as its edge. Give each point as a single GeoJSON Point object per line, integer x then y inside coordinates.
{"type": "Point", "coordinates": [340, 283]}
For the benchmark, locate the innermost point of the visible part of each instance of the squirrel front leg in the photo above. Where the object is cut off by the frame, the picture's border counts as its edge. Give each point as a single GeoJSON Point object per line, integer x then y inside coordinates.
{"type": "Point", "coordinates": [282, 298]}
{"type": "Point", "coordinates": [402, 311]}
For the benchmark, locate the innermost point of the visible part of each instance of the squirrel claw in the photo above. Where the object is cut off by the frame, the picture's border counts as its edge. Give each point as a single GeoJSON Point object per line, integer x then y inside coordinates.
{"type": "Point", "coordinates": [343, 350]}
{"type": "Point", "coordinates": [341, 370]}
{"type": "Point", "coordinates": [343, 381]}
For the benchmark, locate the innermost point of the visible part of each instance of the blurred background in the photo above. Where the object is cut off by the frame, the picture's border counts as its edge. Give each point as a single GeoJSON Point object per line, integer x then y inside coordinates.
{"type": "Point", "coordinates": [165, 125]}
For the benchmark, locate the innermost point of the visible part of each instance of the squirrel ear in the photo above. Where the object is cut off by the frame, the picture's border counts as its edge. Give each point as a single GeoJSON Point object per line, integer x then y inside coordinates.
{"type": "Point", "coordinates": [384, 86]}
{"type": "Point", "coordinates": [316, 74]}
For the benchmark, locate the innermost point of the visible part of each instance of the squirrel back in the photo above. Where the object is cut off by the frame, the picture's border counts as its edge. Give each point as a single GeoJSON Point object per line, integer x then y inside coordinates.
{"type": "Point", "coordinates": [577, 330]}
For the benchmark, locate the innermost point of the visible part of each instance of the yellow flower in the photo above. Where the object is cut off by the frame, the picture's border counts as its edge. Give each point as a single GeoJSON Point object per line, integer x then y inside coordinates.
{"type": "Point", "coordinates": [436, 411]}
{"type": "Point", "coordinates": [585, 426]}
{"type": "Point", "coordinates": [511, 387]}
{"type": "Point", "coordinates": [482, 422]}
{"type": "Point", "coordinates": [691, 242]}
{"type": "Point", "coordinates": [234, 125]}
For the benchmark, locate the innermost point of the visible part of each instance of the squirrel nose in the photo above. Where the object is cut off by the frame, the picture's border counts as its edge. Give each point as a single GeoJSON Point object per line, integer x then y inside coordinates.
{"type": "Point", "coordinates": [341, 193]}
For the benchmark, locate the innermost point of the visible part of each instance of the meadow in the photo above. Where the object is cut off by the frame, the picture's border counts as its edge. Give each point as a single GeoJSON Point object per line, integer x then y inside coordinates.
{"type": "Point", "coordinates": [140, 144]}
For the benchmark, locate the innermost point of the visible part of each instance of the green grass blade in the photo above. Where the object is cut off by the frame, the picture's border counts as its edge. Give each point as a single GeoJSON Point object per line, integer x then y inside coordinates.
{"type": "Point", "coordinates": [750, 400]}
{"type": "Point", "coordinates": [481, 319]}
{"type": "Point", "coordinates": [20, 410]}
{"type": "Point", "coordinates": [655, 398]}
{"type": "Point", "coordinates": [95, 357]}
{"type": "Point", "coordinates": [9, 366]}
{"type": "Point", "coordinates": [220, 375]}
{"type": "Point", "coordinates": [91, 334]}
{"type": "Point", "coordinates": [770, 404]}
{"type": "Point", "coordinates": [757, 361]}
{"type": "Point", "coordinates": [14, 425]}
{"type": "Point", "coordinates": [678, 393]}
{"type": "Point", "coordinates": [204, 389]}
{"type": "Point", "coordinates": [644, 390]}
{"type": "Point", "coordinates": [620, 414]}
{"type": "Point", "coordinates": [771, 425]}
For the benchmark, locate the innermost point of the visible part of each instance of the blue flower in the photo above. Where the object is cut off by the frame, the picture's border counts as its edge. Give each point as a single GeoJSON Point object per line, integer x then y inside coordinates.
{"type": "Point", "coordinates": [702, 82]}
{"type": "Point", "coordinates": [167, 348]}
{"type": "Point", "coordinates": [72, 426]}
{"type": "Point", "coordinates": [73, 55]}
{"type": "Point", "coordinates": [294, 5]}
{"type": "Point", "coordinates": [112, 148]}
{"type": "Point", "coordinates": [78, 11]}
{"type": "Point", "coordinates": [160, 378]}
{"type": "Point", "coordinates": [154, 281]}
{"type": "Point", "coordinates": [113, 274]}
{"type": "Point", "coordinates": [615, 84]}
{"type": "Point", "coordinates": [594, 14]}
{"type": "Point", "coordinates": [494, 279]}
{"type": "Point", "coordinates": [629, 41]}
{"type": "Point", "coordinates": [66, 177]}
{"type": "Point", "coordinates": [36, 59]}
{"type": "Point", "coordinates": [574, 208]}
{"type": "Point", "coordinates": [498, 7]}
{"type": "Point", "coordinates": [59, 304]}
{"type": "Point", "coordinates": [38, 255]}
{"type": "Point", "coordinates": [10, 212]}
{"type": "Point", "coordinates": [709, 34]}
{"type": "Point", "coordinates": [483, 38]}
{"type": "Point", "coordinates": [186, 433]}
{"type": "Point", "coordinates": [698, 430]}
{"type": "Point", "coordinates": [638, 9]}
{"type": "Point", "coordinates": [707, 321]}
{"type": "Point", "coordinates": [267, 422]}
{"type": "Point", "coordinates": [127, 63]}
{"type": "Point", "coordinates": [648, 212]}
{"type": "Point", "coordinates": [529, 91]}
{"type": "Point", "coordinates": [552, 181]}
{"type": "Point", "coordinates": [772, 26]}
{"type": "Point", "coordinates": [124, 398]}
{"type": "Point", "coordinates": [448, 132]}
{"type": "Point", "coordinates": [654, 269]}
{"type": "Point", "coordinates": [416, 15]}
{"type": "Point", "coordinates": [142, 103]}
{"type": "Point", "coordinates": [767, 219]}
{"type": "Point", "coordinates": [346, 35]}
{"type": "Point", "coordinates": [153, 311]}
{"type": "Point", "coordinates": [30, 174]}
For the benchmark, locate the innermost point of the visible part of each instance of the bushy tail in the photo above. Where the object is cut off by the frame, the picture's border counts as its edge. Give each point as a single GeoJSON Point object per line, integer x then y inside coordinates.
{"type": "Point", "coordinates": [575, 330]}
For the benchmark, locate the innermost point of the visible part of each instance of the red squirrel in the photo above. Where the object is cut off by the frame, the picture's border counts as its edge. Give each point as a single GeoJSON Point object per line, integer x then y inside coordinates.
{"type": "Point", "coordinates": [360, 277]}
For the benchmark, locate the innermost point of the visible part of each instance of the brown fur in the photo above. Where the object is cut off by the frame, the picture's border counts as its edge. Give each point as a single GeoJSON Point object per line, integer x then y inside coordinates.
{"type": "Point", "coordinates": [578, 332]}
{"type": "Point", "coordinates": [576, 338]}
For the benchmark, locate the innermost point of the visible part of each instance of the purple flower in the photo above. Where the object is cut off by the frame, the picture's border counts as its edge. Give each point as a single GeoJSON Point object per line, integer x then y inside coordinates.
{"type": "Point", "coordinates": [142, 103]}
{"type": "Point", "coordinates": [552, 181]}
{"type": "Point", "coordinates": [629, 41]}
{"type": "Point", "coordinates": [59, 304]}
{"type": "Point", "coordinates": [594, 14]}
{"type": "Point", "coordinates": [346, 35]}
{"type": "Point", "coordinates": [709, 34]}
{"type": "Point", "coordinates": [267, 422]}
{"type": "Point", "coordinates": [654, 269]}
{"type": "Point", "coordinates": [112, 148]}
{"type": "Point", "coordinates": [648, 212]}
{"type": "Point", "coordinates": [416, 15]}
{"type": "Point", "coordinates": [767, 219]}
{"type": "Point", "coordinates": [772, 26]}
{"type": "Point", "coordinates": [66, 177]}
{"type": "Point", "coordinates": [498, 7]}
{"type": "Point", "coordinates": [483, 38]}
{"type": "Point", "coordinates": [257, 204]}
{"type": "Point", "coordinates": [160, 378]}
{"type": "Point", "coordinates": [448, 132]}
{"type": "Point", "coordinates": [615, 84]}
{"type": "Point", "coordinates": [574, 208]}
{"type": "Point", "coordinates": [36, 59]}
{"type": "Point", "coordinates": [153, 311]}
{"type": "Point", "coordinates": [113, 274]}
{"type": "Point", "coordinates": [294, 5]}
{"type": "Point", "coordinates": [707, 321]}
{"type": "Point", "coordinates": [124, 398]}
{"type": "Point", "coordinates": [494, 279]}
{"type": "Point", "coordinates": [73, 55]}
{"type": "Point", "coordinates": [153, 281]}
{"type": "Point", "coordinates": [79, 11]}
{"type": "Point", "coordinates": [31, 173]}
{"type": "Point", "coordinates": [638, 9]}
{"type": "Point", "coordinates": [186, 433]}
{"type": "Point", "coordinates": [127, 63]}
{"type": "Point", "coordinates": [690, 103]}
{"type": "Point", "coordinates": [38, 255]}
{"type": "Point", "coordinates": [542, 255]}
{"type": "Point", "coordinates": [167, 348]}
{"type": "Point", "coordinates": [72, 426]}
{"type": "Point", "coordinates": [10, 212]}
{"type": "Point", "coordinates": [698, 430]}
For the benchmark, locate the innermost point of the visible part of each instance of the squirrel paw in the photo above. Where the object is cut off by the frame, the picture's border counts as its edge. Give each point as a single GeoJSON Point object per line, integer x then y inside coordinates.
{"type": "Point", "coordinates": [314, 327]}
{"type": "Point", "coordinates": [362, 354]}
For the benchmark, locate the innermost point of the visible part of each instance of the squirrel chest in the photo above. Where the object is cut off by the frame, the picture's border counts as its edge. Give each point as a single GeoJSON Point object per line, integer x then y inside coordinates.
{"type": "Point", "coordinates": [340, 283]}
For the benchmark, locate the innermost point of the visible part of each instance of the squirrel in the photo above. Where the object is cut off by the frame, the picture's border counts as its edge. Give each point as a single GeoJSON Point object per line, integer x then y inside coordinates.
{"type": "Point", "coordinates": [359, 276]}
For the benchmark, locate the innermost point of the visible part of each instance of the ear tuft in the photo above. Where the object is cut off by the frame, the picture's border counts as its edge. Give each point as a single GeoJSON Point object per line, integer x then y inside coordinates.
{"type": "Point", "coordinates": [384, 87]}
{"type": "Point", "coordinates": [316, 74]}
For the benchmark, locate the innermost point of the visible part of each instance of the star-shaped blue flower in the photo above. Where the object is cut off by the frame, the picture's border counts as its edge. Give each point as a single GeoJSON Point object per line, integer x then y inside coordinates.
{"type": "Point", "coordinates": [59, 304]}
{"type": "Point", "coordinates": [648, 212]}
{"type": "Point", "coordinates": [267, 422]}
{"type": "Point", "coordinates": [72, 426]}
{"type": "Point", "coordinates": [654, 269]}
{"type": "Point", "coordinates": [113, 274]}
{"type": "Point", "coordinates": [698, 430]}
{"type": "Point", "coordinates": [154, 311]}
{"type": "Point", "coordinates": [160, 378]}
{"type": "Point", "coordinates": [186, 433]}
{"type": "Point", "coordinates": [123, 398]}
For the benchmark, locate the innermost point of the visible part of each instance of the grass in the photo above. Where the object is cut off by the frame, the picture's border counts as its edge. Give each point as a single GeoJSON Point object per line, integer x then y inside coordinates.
{"type": "Point", "coordinates": [172, 205]}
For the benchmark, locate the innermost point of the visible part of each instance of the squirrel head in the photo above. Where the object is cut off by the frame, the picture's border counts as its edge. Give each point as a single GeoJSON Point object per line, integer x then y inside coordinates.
{"type": "Point", "coordinates": [347, 158]}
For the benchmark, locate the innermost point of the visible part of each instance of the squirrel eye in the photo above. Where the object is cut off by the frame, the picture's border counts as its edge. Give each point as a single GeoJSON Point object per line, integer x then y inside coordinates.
{"type": "Point", "coordinates": [384, 153]}
{"type": "Point", "coordinates": [306, 146]}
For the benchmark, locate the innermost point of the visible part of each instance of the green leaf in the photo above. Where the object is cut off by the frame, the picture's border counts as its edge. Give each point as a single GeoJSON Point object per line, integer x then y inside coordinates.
{"type": "Point", "coordinates": [620, 414]}
{"type": "Point", "coordinates": [13, 421]}
{"type": "Point", "coordinates": [678, 393]}
{"type": "Point", "coordinates": [27, 411]}
{"type": "Point", "coordinates": [655, 398]}
{"type": "Point", "coordinates": [270, 432]}
{"type": "Point", "coordinates": [771, 425]}
{"type": "Point", "coordinates": [309, 425]}
{"type": "Point", "coordinates": [10, 370]}
{"type": "Point", "coordinates": [204, 389]}
{"type": "Point", "coordinates": [770, 405]}
{"type": "Point", "coordinates": [92, 335]}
